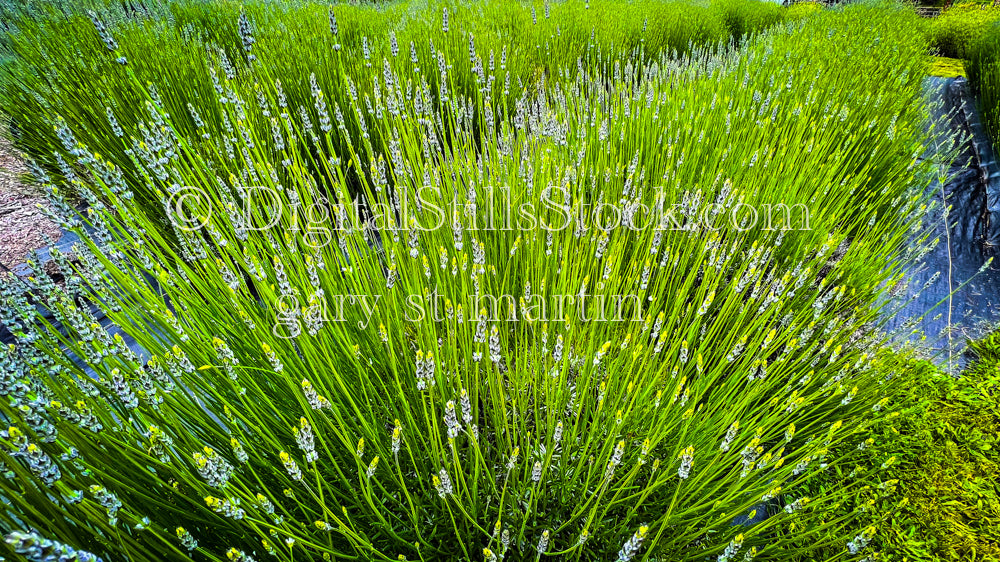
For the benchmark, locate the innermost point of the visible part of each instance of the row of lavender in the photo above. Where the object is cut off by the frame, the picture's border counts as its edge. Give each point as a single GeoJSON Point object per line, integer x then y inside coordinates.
{"type": "Point", "coordinates": [469, 296]}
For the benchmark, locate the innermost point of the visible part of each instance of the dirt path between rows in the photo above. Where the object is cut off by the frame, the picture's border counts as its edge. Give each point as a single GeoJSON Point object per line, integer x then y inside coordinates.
{"type": "Point", "coordinates": [23, 227]}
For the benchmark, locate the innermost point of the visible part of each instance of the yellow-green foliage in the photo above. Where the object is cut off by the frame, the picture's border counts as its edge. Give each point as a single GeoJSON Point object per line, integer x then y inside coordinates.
{"type": "Point", "coordinates": [945, 67]}
{"type": "Point", "coordinates": [803, 9]}
{"type": "Point", "coordinates": [58, 61]}
{"type": "Point", "coordinates": [938, 499]}
{"type": "Point", "coordinates": [984, 74]}
{"type": "Point", "coordinates": [743, 17]}
{"type": "Point", "coordinates": [954, 31]}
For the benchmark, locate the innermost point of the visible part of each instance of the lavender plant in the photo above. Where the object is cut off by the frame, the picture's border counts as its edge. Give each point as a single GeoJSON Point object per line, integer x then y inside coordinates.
{"type": "Point", "coordinates": [58, 64]}
{"type": "Point", "coordinates": [984, 76]}
{"type": "Point", "coordinates": [958, 28]}
{"type": "Point", "coordinates": [400, 320]}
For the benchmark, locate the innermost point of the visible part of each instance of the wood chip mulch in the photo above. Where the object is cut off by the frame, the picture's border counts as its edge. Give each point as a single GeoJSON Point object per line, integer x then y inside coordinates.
{"type": "Point", "coordinates": [23, 227]}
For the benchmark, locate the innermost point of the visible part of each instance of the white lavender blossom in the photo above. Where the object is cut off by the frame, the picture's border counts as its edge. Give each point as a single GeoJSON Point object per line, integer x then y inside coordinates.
{"type": "Point", "coordinates": [687, 462]}
{"type": "Point", "coordinates": [543, 542]}
{"type": "Point", "coordinates": [451, 420]}
{"type": "Point", "coordinates": [34, 548]}
{"type": "Point", "coordinates": [213, 467]}
{"type": "Point", "coordinates": [290, 466]}
{"type": "Point", "coordinates": [246, 34]}
{"type": "Point", "coordinates": [632, 546]}
{"type": "Point", "coordinates": [442, 482]}
{"type": "Point", "coordinates": [305, 440]}
{"type": "Point", "coordinates": [102, 31]}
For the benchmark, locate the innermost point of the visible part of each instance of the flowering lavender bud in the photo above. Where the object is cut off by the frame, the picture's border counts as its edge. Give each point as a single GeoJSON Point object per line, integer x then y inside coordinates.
{"type": "Point", "coordinates": [238, 451]}
{"type": "Point", "coordinates": [320, 103]}
{"type": "Point", "coordinates": [226, 356]}
{"type": "Point", "coordinates": [187, 540]}
{"type": "Point", "coordinates": [451, 420]}
{"type": "Point", "coordinates": [796, 505]}
{"type": "Point", "coordinates": [304, 437]}
{"type": "Point", "coordinates": [226, 506]}
{"type": "Point", "coordinates": [38, 461]}
{"type": "Point", "coordinates": [115, 127]}
{"type": "Point", "coordinates": [543, 542]}
{"type": "Point", "coordinates": [107, 500]}
{"type": "Point", "coordinates": [466, 406]}
{"type": "Point", "coordinates": [102, 31]}
{"type": "Point", "coordinates": [413, 242]}
{"type": "Point", "coordinates": [34, 548]}
{"type": "Point", "coordinates": [121, 388]}
{"type": "Point", "coordinates": [272, 358]}
{"type": "Point", "coordinates": [512, 462]}
{"type": "Point", "coordinates": [442, 482]}
{"type": "Point", "coordinates": [307, 124]}
{"type": "Point", "coordinates": [246, 33]}
{"type": "Point", "coordinates": [632, 546]}
{"type": "Point", "coordinates": [730, 435]}
{"type": "Point", "coordinates": [177, 361]}
{"type": "Point", "coordinates": [236, 555]}
{"type": "Point", "coordinates": [857, 544]}
{"type": "Point", "coordinates": [69, 142]}
{"type": "Point", "coordinates": [536, 471]}
{"type": "Point", "coordinates": [290, 466]}
{"type": "Point", "coordinates": [495, 345]}
{"type": "Point", "coordinates": [213, 467]}
{"type": "Point", "coordinates": [615, 460]}
{"type": "Point", "coordinates": [397, 434]}
{"type": "Point", "coordinates": [82, 416]}
{"type": "Point", "coordinates": [316, 401]}
{"type": "Point", "coordinates": [428, 372]}
{"type": "Point", "coordinates": [33, 412]}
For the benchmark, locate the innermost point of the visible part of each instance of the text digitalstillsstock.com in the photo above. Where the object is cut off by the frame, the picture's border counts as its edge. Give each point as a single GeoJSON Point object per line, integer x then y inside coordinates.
{"type": "Point", "coordinates": [265, 208]}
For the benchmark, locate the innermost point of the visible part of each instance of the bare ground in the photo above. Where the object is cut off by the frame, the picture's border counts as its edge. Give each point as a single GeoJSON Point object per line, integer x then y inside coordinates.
{"type": "Point", "coordinates": [23, 227]}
